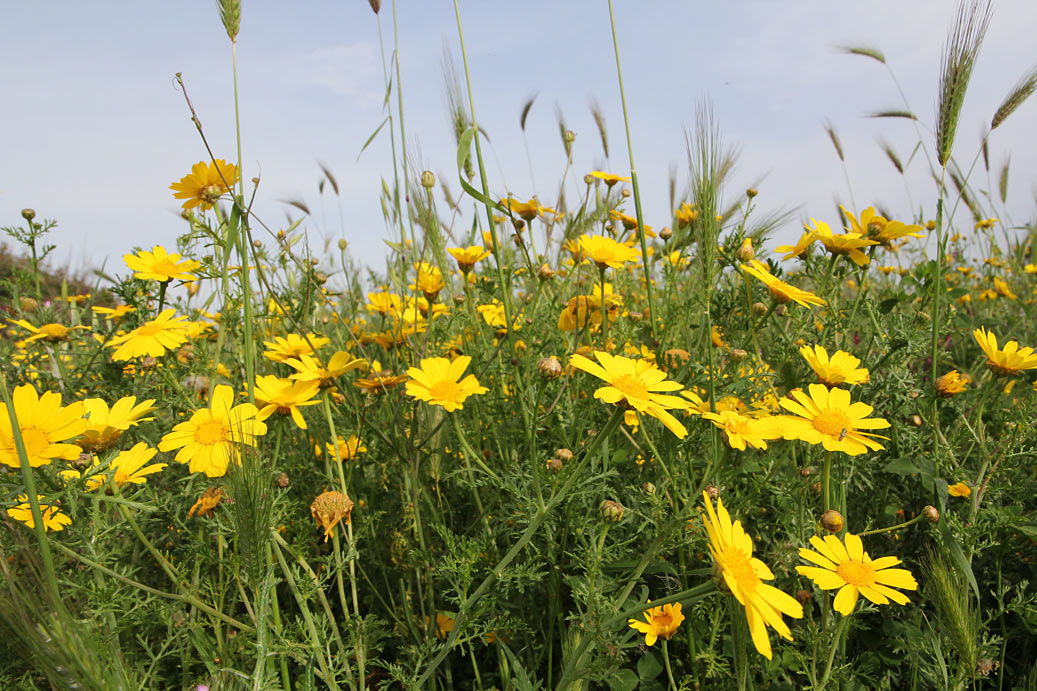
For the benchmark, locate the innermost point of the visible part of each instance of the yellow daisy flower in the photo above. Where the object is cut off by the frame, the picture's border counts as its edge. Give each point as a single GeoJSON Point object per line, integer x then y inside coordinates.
{"type": "Point", "coordinates": [384, 303]}
{"type": "Point", "coordinates": [636, 384]}
{"type": "Point", "coordinates": [105, 425]}
{"type": "Point", "coordinates": [740, 430]}
{"type": "Point", "coordinates": [849, 244]}
{"type": "Point", "coordinates": [438, 382]}
{"type": "Point", "coordinates": [128, 466]}
{"type": "Point", "coordinates": [802, 245]}
{"type": "Point", "coordinates": [606, 252]}
{"type": "Point", "coordinates": [608, 178]}
{"type": "Point", "coordinates": [49, 333]}
{"type": "Point", "coordinates": [209, 440]}
{"type": "Point", "coordinates": [827, 417]}
{"type": "Point", "coordinates": [526, 210]}
{"type": "Point", "coordinates": [307, 368]}
{"type": "Point", "coordinates": [44, 424]}
{"type": "Point", "coordinates": [467, 257]}
{"type": "Point", "coordinates": [959, 489]}
{"type": "Point", "coordinates": [53, 519]}
{"type": "Point", "coordinates": [873, 226]}
{"type": "Point", "coordinates": [276, 395]}
{"type": "Point", "coordinates": [687, 214]}
{"type": "Point", "coordinates": [282, 349]}
{"type": "Point", "coordinates": [854, 573]}
{"type": "Point", "coordinates": [779, 289]}
{"type": "Point", "coordinates": [744, 575]}
{"type": "Point", "coordinates": [205, 184]}
{"type": "Point", "coordinates": [114, 313]}
{"type": "Point", "coordinates": [161, 266]}
{"type": "Point", "coordinates": [951, 384]}
{"type": "Point", "coordinates": [329, 509]}
{"type": "Point", "coordinates": [840, 368]}
{"type": "Point", "coordinates": [429, 280]}
{"type": "Point", "coordinates": [660, 622]}
{"type": "Point", "coordinates": [153, 338]}
{"type": "Point", "coordinates": [348, 449]}
{"type": "Point", "coordinates": [1008, 361]}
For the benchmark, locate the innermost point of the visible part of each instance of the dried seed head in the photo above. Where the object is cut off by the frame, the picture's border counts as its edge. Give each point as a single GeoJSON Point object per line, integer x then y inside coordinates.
{"type": "Point", "coordinates": [329, 509]}
{"type": "Point", "coordinates": [554, 464]}
{"type": "Point", "coordinates": [803, 596]}
{"type": "Point", "coordinates": [565, 454]}
{"type": "Point", "coordinates": [549, 367]}
{"type": "Point", "coordinates": [283, 480]}
{"type": "Point", "coordinates": [712, 491]}
{"type": "Point", "coordinates": [545, 272]}
{"type": "Point", "coordinates": [931, 514]}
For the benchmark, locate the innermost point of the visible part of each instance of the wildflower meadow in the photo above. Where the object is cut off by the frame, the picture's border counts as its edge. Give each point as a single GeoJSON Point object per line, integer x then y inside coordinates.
{"type": "Point", "coordinates": [550, 443]}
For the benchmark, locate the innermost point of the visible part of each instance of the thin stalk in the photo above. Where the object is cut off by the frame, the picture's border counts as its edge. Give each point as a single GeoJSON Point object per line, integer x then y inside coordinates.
{"type": "Point", "coordinates": [633, 178]}
{"type": "Point", "coordinates": [666, 661]}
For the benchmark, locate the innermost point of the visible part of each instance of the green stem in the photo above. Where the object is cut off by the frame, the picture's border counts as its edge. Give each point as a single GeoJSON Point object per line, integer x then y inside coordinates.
{"type": "Point", "coordinates": [827, 482]}
{"type": "Point", "coordinates": [840, 629]}
{"type": "Point", "coordinates": [666, 661]}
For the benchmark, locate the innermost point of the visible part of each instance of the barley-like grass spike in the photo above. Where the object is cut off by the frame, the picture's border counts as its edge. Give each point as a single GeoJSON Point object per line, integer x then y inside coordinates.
{"type": "Point", "coordinates": [1022, 90]}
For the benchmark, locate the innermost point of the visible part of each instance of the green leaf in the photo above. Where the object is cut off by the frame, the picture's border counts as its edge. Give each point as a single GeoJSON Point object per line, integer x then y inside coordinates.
{"type": "Point", "coordinates": [902, 466]}
{"type": "Point", "coordinates": [649, 666]}
{"type": "Point", "coordinates": [623, 680]}
{"type": "Point", "coordinates": [464, 144]}
{"type": "Point", "coordinates": [371, 138]}
{"type": "Point", "coordinates": [887, 305]}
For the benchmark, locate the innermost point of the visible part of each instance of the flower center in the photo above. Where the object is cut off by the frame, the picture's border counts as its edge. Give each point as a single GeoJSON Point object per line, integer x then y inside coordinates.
{"type": "Point", "coordinates": [35, 441]}
{"type": "Point", "coordinates": [149, 329]}
{"type": "Point", "coordinates": [737, 564]}
{"type": "Point", "coordinates": [54, 331]}
{"type": "Point", "coordinates": [856, 573]}
{"type": "Point", "coordinates": [444, 391]}
{"type": "Point", "coordinates": [631, 386]}
{"type": "Point", "coordinates": [165, 268]}
{"type": "Point", "coordinates": [662, 621]}
{"type": "Point", "coordinates": [210, 433]}
{"type": "Point", "coordinates": [832, 424]}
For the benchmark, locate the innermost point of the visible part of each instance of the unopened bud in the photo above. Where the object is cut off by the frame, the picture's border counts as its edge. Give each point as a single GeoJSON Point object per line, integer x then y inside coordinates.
{"type": "Point", "coordinates": [665, 233]}
{"type": "Point", "coordinates": [712, 491]}
{"type": "Point", "coordinates": [459, 299]}
{"type": "Point", "coordinates": [568, 136]}
{"type": "Point", "coordinates": [745, 252]}
{"type": "Point", "coordinates": [803, 596]}
{"type": "Point", "coordinates": [832, 521]}
{"type": "Point", "coordinates": [545, 272]}
{"type": "Point", "coordinates": [751, 192]}
{"type": "Point", "coordinates": [589, 179]}
{"type": "Point", "coordinates": [342, 245]}
{"type": "Point", "coordinates": [648, 488]}
{"type": "Point", "coordinates": [781, 310]}
{"type": "Point", "coordinates": [625, 193]}
{"type": "Point", "coordinates": [931, 514]}
{"type": "Point", "coordinates": [805, 472]}
{"type": "Point", "coordinates": [612, 510]}
{"type": "Point", "coordinates": [428, 180]}
{"type": "Point", "coordinates": [916, 420]}
{"type": "Point", "coordinates": [320, 277]}
{"type": "Point", "coordinates": [28, 214]}
{"type": "Point", "coordinates": [28, 304]}
{"type": "Point", "coordinates": [759, 309]}
{"type": "Point", "coordinates": [554, 464]}
{"type": "Point", "coordinates": [283, 481]}
{"type": "Point", "coordinates": [148, 363]}
{"type": "Point", "coordinates": [816, 488]}
{"type": "Point", "coordinates": [738, 354]}
{"type": "Point", "coordinates": [549, 367]}
{"type": "Point", "coordinates": [565, 454]}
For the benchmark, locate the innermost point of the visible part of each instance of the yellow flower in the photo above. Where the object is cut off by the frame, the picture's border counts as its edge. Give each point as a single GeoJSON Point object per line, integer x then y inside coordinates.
{"type": "Point", "coordinates": [740, 430]}
{"type": "Point", "coordinates": [851, 570]}
{"type": "Point", "coordinates": [468, 256]}
{"type": "Point", "coordinates": [205, 184]}
{"type": "Point", "coordinates": [1003, 289]}
{"type": "Point", "coordinates": [845, 243]}
{"type": "Point", "coordinates": [585, 310]}
{"type": "Point", "coordinates": [43, 423]}
{"type": "Point", "coordinates": [827, 417]}
{"type": "Point", "coordinates": [379, 380]}
{"type": "Point", "coordinates": [986, 223]}
{"type": "Point", "coordinates": [114, 313]}
{"type": "Point", "coordinates": [840, 368]}
{"type": "Point", "coordinates": [160, 266]}
{"type": "Point", "coordinates": [526, 210]}
{"type": "Point", "coordinates": [104, 425]}
{"type": "Point", "coordinates": [50, 333]}
{"type": "Point", "coordinates": [959, 489]}
{"type": "Point", "coordinates": [429, 280]}
{"type": "Point", "coordinates": [629, 222]}
{"type": "Point", "coordinates": [292, 346]}
{"type": "Point", "coordinates": [732, 551]}
{"type": "Point", "coordinates": [153, 338]}
{"type": "Point", "coordinates": [329, 509]}
{"type": "Point", "coordinates": [444, 624]}
{"type": "Point", "coordinates": [348, 449]}
{"type": "Point", "coordinates": [801, 246]}
{"type": "Point", "coordinates": [636, 384]}
{"type": "Point", "coordinates": [606, 252]}
{"type": "Point", "coordinates": [873, 226]}
{"type": "Point", "coordinates": [951, 383]}
{"type": "Point", "coordinates": [209, 440]}
{"type": "Point", "coordinates": [53, 519]}
{"type": "Point", "coordinates": [438, 382]}
{"type": "Point", "coordinates": [493, 314]}
{"type": "Point", "coordinates": [779, 289]}
{"type": "Point", "coordinates": [660, 622]}
{"type": "Point", "coordinates": [716, 336]}
{"type": "Point", "coordinates": [307, 368]}
{"type": "Point", "coordinates": [384, 303]}
{"type": "Point", "coordinates": [608, 178]}
{"type": "Point", "coordinates": [1009, 361]}
{"type": "Point", "coordinates": [207, 503]}
{"type": "Point", "coordinates": [275, 395]}
{"type": "Point", "coordinates": [687, 214]}
{"type": "Point", "coordinates": [130, 468]}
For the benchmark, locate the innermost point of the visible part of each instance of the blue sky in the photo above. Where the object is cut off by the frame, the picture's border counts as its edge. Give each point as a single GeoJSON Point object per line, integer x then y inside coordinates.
{"type": "Point", "coordinates": [95, 130]}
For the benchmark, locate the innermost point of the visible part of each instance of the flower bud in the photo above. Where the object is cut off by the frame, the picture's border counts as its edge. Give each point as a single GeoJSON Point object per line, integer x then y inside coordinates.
{"type": "Point", "coordinates": [428, 180]}
{"type": "Point", "coordinates": [588, 179]}
{"type": "Point", "coordinates": [712, 491]}
{"type": "Point", "coordinates": [545, 272]}
{"type": "Point", "coordinates": [931, 514]}
{"type": "Point", "coordinates": [805, 472]}
{"type": "Point", "coordinates": [28, 304]}
{"type": "Point", "coordinates": [375, 5]}
{"type": "Point", "coordinates": [665, 233]}
{"type": "Point", "coordinates": [816, 488]}
{"type": "Point", "coordinates": [751, 192]}
{"type": "Point", "coordinates": [916, 420]}
{"type": "Point", "coordinates": [148, 363]}
{"type": "Point", "coordinates": [625, 193]}
{"type": "Point", "coordinates": [612, 510]}
{"type": "Point", "coordinates": [803, 596]}
{"type": "Point", "coordinates": [459, 299]}
{"type": "Point", "coordinates": [283, 481]}
{"type": "Point", "coordinates": [832, 521]}
{"type": "Point", "coordinates": [745, 252]}
{"type": "Point", "coordinates": [568, 136]}
{"type": "Point", "coordinates": [342, 245]}
{"type": "Point", "coordinates": [554, 464]}
{"type": "Point", "coordinates": [648, 488]}
{"type": "Point", "coordinates": [549, 367]}
{"type": "Point", "coordinates": [738, 354]}
{"type": "Point", "coordinates": [564, 454]}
